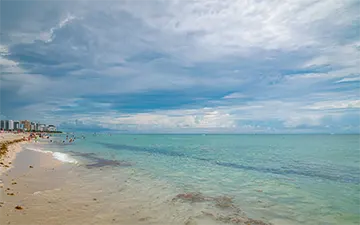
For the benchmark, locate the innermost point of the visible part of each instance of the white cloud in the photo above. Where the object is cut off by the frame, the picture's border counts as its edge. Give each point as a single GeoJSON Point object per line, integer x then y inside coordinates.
{"type": "Point", "coordinates": [348, 79]}
{"type": "Point", "coordinates": [296, 121]}
{"type": "Point", "coordinates": [343, 60]}
{"type": "Point", "coordinates": [234, 96]}
{"type": "Point", "coordinates": [7, 65]}
{"type": "Point", "coordinates": [177, 119]}
{"type": "Point", "coordinates": [7, 62]}
{"type": "Point", "coordinates": [228, 27]}
{"type": "Point", "coordinates": [4, 50]}
{"type": "Point", "coordinates": [3, 61]}
{"type": "Point", "coordinates": [345, 104]}
{"type": "Point", "coordinates": [50, 35]}
{"type": "Point", "coordinates": [290, 114]}
{"type": "Point", "coordinates": [347, 56]}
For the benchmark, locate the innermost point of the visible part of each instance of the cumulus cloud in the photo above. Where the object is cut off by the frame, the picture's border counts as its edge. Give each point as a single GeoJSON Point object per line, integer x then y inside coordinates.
{"type": "Point", "coordinates": [236, 66]}
{"type": "Point", "coordinates": [230, 27]}
{"type": "Point", "coordinates": [49, 36]}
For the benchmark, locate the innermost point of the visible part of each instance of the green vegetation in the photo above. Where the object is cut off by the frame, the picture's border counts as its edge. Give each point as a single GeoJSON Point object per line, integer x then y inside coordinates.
{"type": "Point", "coordinates": [3, 149]}
{"type": "Point", "coordinates": [4, 146]}
{"type": "Point", "coordinates": [54, 132]}
{"type": "Point", "coordinates": [50, 132]}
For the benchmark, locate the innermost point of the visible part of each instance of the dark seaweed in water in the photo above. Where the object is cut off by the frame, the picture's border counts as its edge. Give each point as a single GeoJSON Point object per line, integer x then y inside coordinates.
{"type": "Point", "coordinates": [98, 161]}
{"type": "Point", "coordinates": [192, 197]}
{"type": "Point", "coordinates": [228, 212]}
{"type": "Point", "coordinates": [221, 202]}
{"type": "Point", "coordinates": [296, 169]}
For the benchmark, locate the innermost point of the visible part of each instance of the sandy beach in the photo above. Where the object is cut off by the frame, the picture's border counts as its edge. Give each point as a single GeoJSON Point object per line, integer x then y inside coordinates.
{"type": "Point", "coordinates": [23, 173]}
{"type": "Point", "coordinates": [12, 149]}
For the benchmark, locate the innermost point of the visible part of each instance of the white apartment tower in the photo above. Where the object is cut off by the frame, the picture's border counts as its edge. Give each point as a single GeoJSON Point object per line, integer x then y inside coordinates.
{"type": "Point", "coordinates": [11, 125]}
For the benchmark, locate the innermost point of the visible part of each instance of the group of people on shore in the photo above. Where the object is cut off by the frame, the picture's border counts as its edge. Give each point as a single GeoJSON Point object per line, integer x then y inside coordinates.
{"type": "Point", "coordinates": [36, 137]}
{"type": "Point", "coordinates": [69, 139]}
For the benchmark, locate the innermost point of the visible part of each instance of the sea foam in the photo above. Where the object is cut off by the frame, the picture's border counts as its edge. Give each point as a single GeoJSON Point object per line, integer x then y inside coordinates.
{"type": "Point", "coordinates": [63, 157]}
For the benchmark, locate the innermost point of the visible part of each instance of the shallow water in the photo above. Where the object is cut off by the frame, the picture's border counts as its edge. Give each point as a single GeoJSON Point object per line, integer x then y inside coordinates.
{"type": "Point", "coordinates": [283, 179]}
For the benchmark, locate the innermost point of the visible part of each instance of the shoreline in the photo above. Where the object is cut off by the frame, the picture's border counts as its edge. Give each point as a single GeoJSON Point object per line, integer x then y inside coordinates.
{"type": "Point", "coordinates": [10, 146]}
{"type": "Point", "coordinates": [38, 183]}
{"type": "Point", "coordinates": [29, 175]}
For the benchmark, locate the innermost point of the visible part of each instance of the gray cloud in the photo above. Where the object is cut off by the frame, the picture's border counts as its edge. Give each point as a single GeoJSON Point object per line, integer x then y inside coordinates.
{"type": "Point", "coordinates": [54, 53]}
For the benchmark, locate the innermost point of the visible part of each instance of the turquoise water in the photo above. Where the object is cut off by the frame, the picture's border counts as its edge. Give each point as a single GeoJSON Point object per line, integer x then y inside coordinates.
{"type": "Point", "coordinates": [284, 179]}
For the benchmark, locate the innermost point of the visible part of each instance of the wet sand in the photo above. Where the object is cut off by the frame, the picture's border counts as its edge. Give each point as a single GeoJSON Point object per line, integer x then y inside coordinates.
{"type": "Point", "coordinates": [31, 174]}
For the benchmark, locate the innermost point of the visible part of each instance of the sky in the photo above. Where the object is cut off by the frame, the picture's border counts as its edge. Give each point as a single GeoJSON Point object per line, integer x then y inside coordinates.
{"type": "Point", "coordinates": [182, 66]}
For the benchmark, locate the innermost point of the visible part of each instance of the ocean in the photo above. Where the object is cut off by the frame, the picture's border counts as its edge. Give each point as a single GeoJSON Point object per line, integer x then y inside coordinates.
{"type": "Point", "coordinates": [278, 179]}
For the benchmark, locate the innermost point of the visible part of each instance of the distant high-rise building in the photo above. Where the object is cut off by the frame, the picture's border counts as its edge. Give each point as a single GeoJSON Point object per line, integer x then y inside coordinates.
{"type": "Point", "coordinates": [42, 127]}
{"type": "Point", "coordinates": [36, 126]}
{"type": "Point", "coordinates": [16, 125]}
{"type": "Point", "coordinates": [26, 125]}
{"type": "Point", "coordinates": [11, 125]}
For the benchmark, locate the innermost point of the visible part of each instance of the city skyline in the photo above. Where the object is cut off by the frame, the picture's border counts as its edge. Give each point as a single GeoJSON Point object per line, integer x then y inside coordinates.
{"type": "Point", "coordinates": [26, 125]}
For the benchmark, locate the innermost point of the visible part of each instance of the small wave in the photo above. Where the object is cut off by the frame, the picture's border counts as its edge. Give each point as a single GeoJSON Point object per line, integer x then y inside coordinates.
{"type": "Point", "coordinates": [38, 150]}
{"type": "Point", "coordinates": [64, 157]}
{"type": "Point", "coordinates": [57, 155]}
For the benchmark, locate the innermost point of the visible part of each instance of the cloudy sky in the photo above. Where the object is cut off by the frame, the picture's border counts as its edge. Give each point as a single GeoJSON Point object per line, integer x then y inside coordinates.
{"type": "Point", "coordinates": [282, 66]}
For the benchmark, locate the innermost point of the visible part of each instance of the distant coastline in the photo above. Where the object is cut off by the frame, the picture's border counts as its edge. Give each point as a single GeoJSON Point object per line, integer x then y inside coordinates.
{"type": "Point", "coordinates": [46, 132]}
